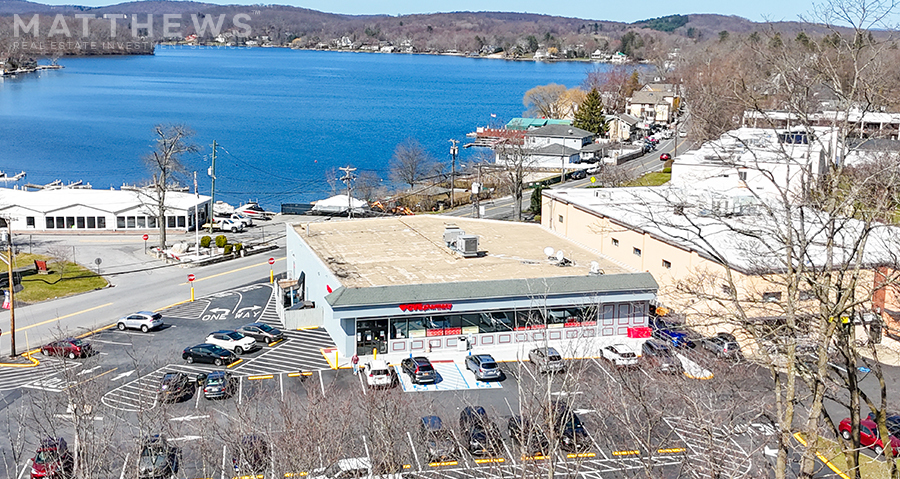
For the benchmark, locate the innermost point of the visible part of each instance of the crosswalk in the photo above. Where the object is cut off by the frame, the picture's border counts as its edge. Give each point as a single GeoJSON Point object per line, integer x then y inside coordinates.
{"type": "Point", "coordinates": [300, 351]}
{"type": "Point", "coordinates": [713, 453]}
{"type": "Point", "coordinates": [48, 369]}
{"type": "Point", "coordinates": [140, 394]}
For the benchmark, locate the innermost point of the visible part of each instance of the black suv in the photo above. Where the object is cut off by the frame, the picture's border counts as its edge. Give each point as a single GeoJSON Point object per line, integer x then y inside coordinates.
{"type": "Point", "coordinates": [527, 435]}
{"type": "Point", "coordinates": [174, 387]}
{"type": "Point", "coordinates": [480, 434]}
{"type": "Point", "coordinates": [568, 427]}
{"type": "Point", "coordinates": [419, 370]}
{"type": "Point", "coordinates": [158, 458]}
{"type": "Point", "coordinates": [440, 445]}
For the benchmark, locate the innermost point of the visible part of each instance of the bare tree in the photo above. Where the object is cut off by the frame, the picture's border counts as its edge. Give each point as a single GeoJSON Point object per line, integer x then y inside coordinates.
{"type": "Point", "coordinates": [165, 163]}
{"type": "Point", "coordinates": [411, 163]}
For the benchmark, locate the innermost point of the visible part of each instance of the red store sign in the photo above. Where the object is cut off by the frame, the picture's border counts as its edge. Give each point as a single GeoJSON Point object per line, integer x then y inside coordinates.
{"type": "Point", "coordinates": [426, 307]}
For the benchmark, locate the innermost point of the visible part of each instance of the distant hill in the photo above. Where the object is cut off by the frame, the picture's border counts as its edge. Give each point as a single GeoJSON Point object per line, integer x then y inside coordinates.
{"type": "Point", "coordinates": [482, 33]}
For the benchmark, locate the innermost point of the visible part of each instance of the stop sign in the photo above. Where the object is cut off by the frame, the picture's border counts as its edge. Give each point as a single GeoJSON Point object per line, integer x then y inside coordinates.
{"type": "Point", "coordinates": [271, 260]}
{"type": "Point", "coordinates": [191, 277]}
{"type": "Point", "coordinates": [146, 237]}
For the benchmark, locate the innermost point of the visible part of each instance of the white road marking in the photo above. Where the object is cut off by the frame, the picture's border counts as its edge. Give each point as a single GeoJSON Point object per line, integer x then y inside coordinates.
{"type": "Point", "coordinates": [362, 384]}
{"type": "Point", "coordinates": [123, 375]}
{"type": "Point", "coordinates": [189, 418]}
{"type": "Point", "coordinates": [413, 447]}
{"type": "Point", "coordinates": [603, 369]}
{"type": "Point", "coordinates": [109, 342]}
{"type": "Point", "coordinates": [322, 383]}
{"type": "Point", "coordinates": [85, 371]}
{"type": "Point", "coordinates": [124, 466]}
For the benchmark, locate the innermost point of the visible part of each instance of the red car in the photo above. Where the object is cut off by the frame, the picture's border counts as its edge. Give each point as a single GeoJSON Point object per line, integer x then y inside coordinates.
{"type": "Point", "coordinates": [868, 436]}
{"type": "Point", "coordinates": [665, 157]}
{"type": "Point", "coordinates": [52, 459]}
{"type": "Point", "coordinates": [71, 347]}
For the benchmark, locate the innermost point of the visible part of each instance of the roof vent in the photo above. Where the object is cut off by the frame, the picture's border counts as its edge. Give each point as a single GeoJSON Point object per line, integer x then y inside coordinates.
{"type": "Point", "coordinates": [451, 232]}
{"type": "Point", "coordinates": [467, 245]}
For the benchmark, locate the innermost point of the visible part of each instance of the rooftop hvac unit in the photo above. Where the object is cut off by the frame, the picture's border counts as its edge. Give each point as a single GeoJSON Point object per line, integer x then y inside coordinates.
{"type": "Point", "coordinates": [451, 232]}
{"type": "Point", "coordinates": [467, 245]}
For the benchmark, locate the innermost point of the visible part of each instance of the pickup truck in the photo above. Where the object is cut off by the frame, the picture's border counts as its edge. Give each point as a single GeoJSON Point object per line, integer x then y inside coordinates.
{"type": "Point", "coordinates": [237, 218]}
{"type": "Point", "coordinates": [222, 224]}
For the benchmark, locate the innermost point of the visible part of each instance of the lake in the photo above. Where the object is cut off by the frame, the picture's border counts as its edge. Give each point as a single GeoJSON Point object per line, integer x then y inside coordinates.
{"type": "Point", "coordinates": [284, 118]}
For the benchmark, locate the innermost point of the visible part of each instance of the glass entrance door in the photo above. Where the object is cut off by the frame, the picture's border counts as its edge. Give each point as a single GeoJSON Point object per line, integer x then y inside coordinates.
{"type": "Point", "coordinates": [371, 334]}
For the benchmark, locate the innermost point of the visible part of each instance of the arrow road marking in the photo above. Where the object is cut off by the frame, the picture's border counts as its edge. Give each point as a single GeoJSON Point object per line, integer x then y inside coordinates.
{"type": "Point", "coordinates": [189, 418]}
{"type": "Point", "coordinates": [218, 311]}
{"type": "Point", "coordinates": [85, 371]}
{"type": "Point", "coordinates": [123, 375]}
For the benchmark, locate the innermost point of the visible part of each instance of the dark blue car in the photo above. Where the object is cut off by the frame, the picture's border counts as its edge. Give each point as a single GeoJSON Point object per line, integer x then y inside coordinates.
{"type": "Point", "coordinates": [671, 333]}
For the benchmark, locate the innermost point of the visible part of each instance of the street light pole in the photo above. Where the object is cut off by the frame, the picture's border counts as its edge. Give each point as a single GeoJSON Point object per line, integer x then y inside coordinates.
{"type": "Point", "coordinates": [453, 151]}
{"type": "Point", "coordinates": [12, 307]}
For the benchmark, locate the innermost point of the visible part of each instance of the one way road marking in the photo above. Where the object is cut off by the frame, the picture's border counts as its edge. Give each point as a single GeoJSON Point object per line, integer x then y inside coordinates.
{"type": "Point", "coordinates": [123, 375]}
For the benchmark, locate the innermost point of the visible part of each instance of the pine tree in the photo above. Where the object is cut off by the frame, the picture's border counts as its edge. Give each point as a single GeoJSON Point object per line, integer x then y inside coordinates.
{"type": "Point", "coordinates": [590, 114]}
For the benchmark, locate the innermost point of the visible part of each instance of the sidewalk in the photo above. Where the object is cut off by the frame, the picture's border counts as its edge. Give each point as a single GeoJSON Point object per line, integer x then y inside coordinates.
{"type": "Point", "coordinates": [888, 350]}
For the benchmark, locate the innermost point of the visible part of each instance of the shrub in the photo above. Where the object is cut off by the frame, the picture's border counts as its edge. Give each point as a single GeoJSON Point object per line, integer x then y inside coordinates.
{"type": "Point", "coordinates": [221, 241]}
{"type": "Point", "coordinates": [667, 170]}
{"type": "Point", "coordinates": [238, 247]}
{"type": "Point", "coordinates": [227, 250]}
{"type": "Point", "coordinates": [205, 241]}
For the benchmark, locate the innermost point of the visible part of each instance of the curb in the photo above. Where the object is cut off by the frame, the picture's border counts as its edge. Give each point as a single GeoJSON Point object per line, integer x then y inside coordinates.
{"type": "Point", "coordinates": [822, 458]}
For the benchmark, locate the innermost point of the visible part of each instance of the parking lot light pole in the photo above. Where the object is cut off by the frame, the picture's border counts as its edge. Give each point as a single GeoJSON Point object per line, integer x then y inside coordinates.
{"type": "Point", "coordinates": [12, 304]}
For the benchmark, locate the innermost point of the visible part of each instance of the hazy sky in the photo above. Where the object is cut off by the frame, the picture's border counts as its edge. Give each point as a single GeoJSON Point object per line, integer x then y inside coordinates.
{"type": "Point", "coordinates": [623, 11]}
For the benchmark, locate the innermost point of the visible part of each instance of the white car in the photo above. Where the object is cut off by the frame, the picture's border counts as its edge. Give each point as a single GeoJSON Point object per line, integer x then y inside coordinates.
{"type": "Point", "coordinates": [378, 374]}
{"type": "Point", "coordinates": [620, 355]}
{"type": "Point", "coordinates": [232, 341]}
{"type": "Point", "coordinates": [143, 320]}
{"type": "Point", "coordinates": [237, 218]}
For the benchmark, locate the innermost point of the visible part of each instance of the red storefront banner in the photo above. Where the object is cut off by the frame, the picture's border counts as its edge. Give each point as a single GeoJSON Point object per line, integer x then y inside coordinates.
{"type": "Point", "coordinates": [639, 332]}
{"type": "Point", "coordinates": [580, 324]}
{"type": "Point", "coordinates": [533, 326]}
{"type": "Point", "coordinates": [426, 307]}
{"type": "Point", "coordinates": [443, 332]}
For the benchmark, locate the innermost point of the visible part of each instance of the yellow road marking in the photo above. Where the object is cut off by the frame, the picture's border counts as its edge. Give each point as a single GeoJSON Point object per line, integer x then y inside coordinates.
{"type": "Point", "coordinates": [305, 373]}
{"type": "Point", "coordinates": [265, 376]}
{"type": "Point", "coordinates": [61, 317]}
{"type": "Point", "coordinates": [493, 459]}
{"type": "Point", "coordinates": [670, 451]}
{"type": "Point", "coordinates": [533, 458]}
{"type": "Point", "coordinates": [239, 361]}
{"type": "Point", "coordinates": [626, 453]}
{"type": "Point", "coordinates": [822, 458]}
{"type": "Point", "coordinates": [582, 454]}
{"type": "Point", "coordinates": [445, 463]}
{"type": "Point", "coordinates": [276, 342]}
{"type": "Point", "coordinates": [197, 280]}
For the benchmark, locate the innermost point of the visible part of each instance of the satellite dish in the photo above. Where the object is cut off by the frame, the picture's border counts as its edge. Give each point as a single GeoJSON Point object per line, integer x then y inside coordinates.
{"type": "Point", "coordinates": [559, 256]}
{"type": "Point", "coordinates": [548, 251]}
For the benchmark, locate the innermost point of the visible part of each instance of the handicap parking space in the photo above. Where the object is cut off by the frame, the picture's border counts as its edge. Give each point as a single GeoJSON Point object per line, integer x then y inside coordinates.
{"type": "Point", "coordinates": [451, 377]}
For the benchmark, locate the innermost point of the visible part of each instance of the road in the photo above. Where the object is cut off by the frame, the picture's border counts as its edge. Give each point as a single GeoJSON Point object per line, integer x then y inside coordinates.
{"type": "Point", "coordinates": [137, 282]}
{"type": "Point", "coordinates": [503, 208]}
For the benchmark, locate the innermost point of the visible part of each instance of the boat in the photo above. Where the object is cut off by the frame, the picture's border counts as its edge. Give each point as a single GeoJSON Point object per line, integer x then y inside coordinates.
{"type": "Point", "coordinates": [251, 209]}
{"type": "Point", "coordinates": [338, 205]}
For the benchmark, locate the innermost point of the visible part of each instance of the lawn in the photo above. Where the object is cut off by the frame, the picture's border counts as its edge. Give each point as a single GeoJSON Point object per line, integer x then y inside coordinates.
{"type": "Point", "coordinates": [651, 179]}
{"type": "Point", "coordinates": [40, 287]}
{"type": "Point", "coordinates": [869, 468]}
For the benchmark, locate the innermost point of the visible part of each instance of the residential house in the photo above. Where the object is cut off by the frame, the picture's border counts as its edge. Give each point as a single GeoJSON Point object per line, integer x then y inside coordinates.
{"type": "Point", "coordinates": [623, 127]}
{"type": "Point", "coordinates": [651, 106]}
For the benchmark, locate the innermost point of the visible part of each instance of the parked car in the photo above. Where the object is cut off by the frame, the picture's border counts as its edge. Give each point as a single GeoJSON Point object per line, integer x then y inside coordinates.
{"type": "Point", "coordinates": [52, 459]}
{"type": "Point", "coordinates": [208, 353]}
{"type": "Point", "coordinates": [620, 355]}
{"type": "Point", "coordinates": [245, 221]}
{"type": "Point", "coordinates": [440, 445]}
{"type": "Point", "coordinates": [527, 435]}
{"type": "Point", "coordinates": [665, 157]}
{"type": "Point", "coordinates": [578, 175]}
{"type": "Point", "coordinates": [158, 458]}
{"type": "Point", "coordinates": [251, 455]}
{"type": "Point", "coordinates": [419, 369]}
{"type": "Point", "coordinates": [261, 332]}
{"type": "Point", "coordinates": [484, 367]}
{"type": "Point", "coordinates": [722, 347]}
{"type": "Point", "coordinates": [143, 320]}
{"type": "Point", "coordinates": [568, 427]}
{"type": "Point", "coordinates": [547, 360]}
{"type": "Point", "coordinates": [480, 434]}
{"type": "Point", "coordinates": [671, 333]}
{"type": "Point", "coordinates": [217, 384]}
{"type": "Point", "coordinates": [232, 341]}
{"type": "Point", "coordinates": [174, 386]}
{"type": "Point", "coordinates": [892, 422]}
{"type": "Point", "coordinates": [69, 347]}
{"type": "Point", "coordinates": [378, 374]}
{"type": "Point", "coordinates": [659, 355]}
{"type": "Point", "coordinates": [868, 436]}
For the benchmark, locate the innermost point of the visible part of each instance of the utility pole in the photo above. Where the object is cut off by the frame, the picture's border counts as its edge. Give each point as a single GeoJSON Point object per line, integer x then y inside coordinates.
{"type": "Point", "coordinates": [453, 151]}
{"type": "Point", "coordinates": [476, 188]}
{"type": "Point", "coordinates": [12, 286]}
{"type": "Point", "coordinates": [196, 217]}
{"type": "Point", "coordinates": [212, 199]}
{"type": "Point", "coordinates": [347, 179]}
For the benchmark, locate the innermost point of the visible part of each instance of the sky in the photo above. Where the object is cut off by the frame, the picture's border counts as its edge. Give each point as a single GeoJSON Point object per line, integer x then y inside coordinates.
{"type": "Point", "coordinates": [759, 10]}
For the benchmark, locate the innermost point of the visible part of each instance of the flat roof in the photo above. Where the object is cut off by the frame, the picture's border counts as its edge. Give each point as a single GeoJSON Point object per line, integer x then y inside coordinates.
{"type": "Point", "coordinates": [113, 201]}
{"type": "Point", "coordinates": [410, 250]}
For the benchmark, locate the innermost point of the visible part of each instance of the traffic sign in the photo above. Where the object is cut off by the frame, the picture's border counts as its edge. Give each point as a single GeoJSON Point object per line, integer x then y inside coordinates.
{"type": "Point", "coordinates": [271, 260]}
{"type": "Point", "coordinates": [191, 278]}
{"type": "Point", "coordinates": [146, 237]}
{"type": "Point", "coordinates": [593, 179]}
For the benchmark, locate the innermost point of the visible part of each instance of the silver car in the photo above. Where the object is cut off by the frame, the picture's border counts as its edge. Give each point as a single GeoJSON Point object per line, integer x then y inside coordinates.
{"type": "Point", "coordinates": [484, 366]}
{"type": "Point", "coordinates": [547, 360]}
{"type": "Point", "coordinates": [143, 320]}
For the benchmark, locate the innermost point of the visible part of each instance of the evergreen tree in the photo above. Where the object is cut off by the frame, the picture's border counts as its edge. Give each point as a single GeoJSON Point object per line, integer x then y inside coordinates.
{"type": "Point", "coordinates": [590, 114]}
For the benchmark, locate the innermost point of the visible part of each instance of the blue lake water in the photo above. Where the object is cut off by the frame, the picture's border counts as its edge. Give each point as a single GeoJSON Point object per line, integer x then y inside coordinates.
{"type": "Point", "coordinates": [283, 118]}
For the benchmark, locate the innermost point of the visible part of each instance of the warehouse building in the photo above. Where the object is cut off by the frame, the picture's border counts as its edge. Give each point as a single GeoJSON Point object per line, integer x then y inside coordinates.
{"type": "Point", "coordinates": [416, 284]}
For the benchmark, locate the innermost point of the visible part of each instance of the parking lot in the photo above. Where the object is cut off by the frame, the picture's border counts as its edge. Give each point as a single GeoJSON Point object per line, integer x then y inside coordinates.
{"type": "Point", "coordinates": [288, 390]}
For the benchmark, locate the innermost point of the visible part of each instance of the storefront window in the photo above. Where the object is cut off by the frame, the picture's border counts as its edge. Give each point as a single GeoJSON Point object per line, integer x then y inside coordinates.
{"type": "Point", "coordinates": [416, 327]}
{"type": "Point", "coordinates": [495, 321]}
{"type": "Point", "coordinates": [399, 328]}
{"type": "Point", "coordinates": [529, 318]}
